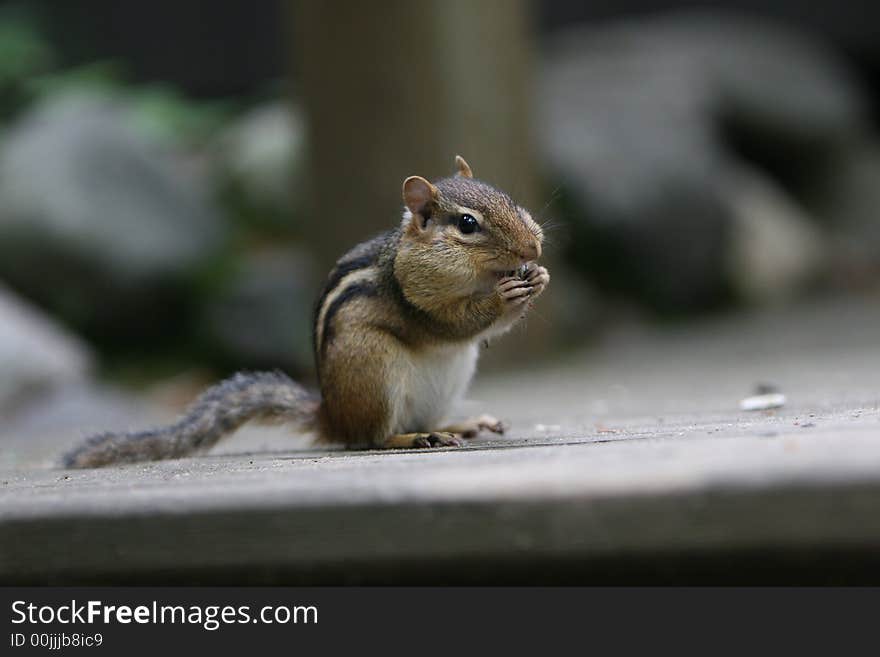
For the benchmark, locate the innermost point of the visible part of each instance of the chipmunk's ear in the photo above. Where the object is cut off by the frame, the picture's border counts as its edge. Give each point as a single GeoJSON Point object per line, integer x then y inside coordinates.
{"type": "Point", "coordinates": [419, 196]}
{"type": "Point", "coordinates": [463, 168]}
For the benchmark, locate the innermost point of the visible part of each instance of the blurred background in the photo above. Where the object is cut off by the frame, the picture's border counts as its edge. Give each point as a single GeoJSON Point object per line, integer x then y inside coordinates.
{"type": "Point", "coordinates": [176, 178]}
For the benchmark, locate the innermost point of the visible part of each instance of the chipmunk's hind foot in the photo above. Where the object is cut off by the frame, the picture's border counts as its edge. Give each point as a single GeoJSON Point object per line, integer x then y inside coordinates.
{"type": "Point", "coordinates": [471, 427]}
{"type": "Point", "coordinates": [423, 440]}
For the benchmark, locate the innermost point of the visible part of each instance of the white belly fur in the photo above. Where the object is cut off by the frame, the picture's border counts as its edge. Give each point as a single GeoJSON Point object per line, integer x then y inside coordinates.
{"type": "Point", "coordinates": [428, 389]}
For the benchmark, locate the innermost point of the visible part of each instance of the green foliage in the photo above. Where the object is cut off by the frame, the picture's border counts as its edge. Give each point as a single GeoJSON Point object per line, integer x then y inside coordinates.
{"type": "Point", "coordinates": [161, 110]}
{"type": "Point", "coordinates": [24, 53]}
{"type": "Point", "coordinates": [100, 78]}
{"type": "Point", "coordinates": [157, 110]}
{"type": "Point", "coordinates": [29, 72]}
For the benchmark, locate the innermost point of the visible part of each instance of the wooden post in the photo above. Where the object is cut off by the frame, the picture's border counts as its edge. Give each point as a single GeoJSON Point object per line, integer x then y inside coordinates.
{"type": "Point", "coordinates": [397, 88]}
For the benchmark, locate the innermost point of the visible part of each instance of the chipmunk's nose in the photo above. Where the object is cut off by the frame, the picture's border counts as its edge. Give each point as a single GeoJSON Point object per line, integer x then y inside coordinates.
{"type": "Point", "coordinates": [531, 252]}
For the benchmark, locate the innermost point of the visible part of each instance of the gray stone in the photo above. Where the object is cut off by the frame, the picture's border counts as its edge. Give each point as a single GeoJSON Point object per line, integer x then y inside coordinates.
{"type": "Point", "coordinates": [774, 248]}
{"type": "Point", "coordinates": [262, 317]}
{"type": "Point", "coordinates": [847, 197]}
{"type": "Point", "coordinates": [635, 119]}
{"type": "Point", "coordinates": [36, 355]}
{"type": "Point", "coordinates": [92, 213]}
{"type": "Point", "coordinates": [263, 155]}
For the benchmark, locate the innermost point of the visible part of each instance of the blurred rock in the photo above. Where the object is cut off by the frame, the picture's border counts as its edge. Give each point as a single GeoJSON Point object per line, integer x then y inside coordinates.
{"type": "Point", "coordinates": [96, 222]}
{"type": "Point", "coordinates": [847, 197]}
{"type": "Point", "coordinates": [262, 156]}
{"type": "Point", "coordinates": [263, 316]}
{"type": "Point", "coordinates": [651, 125]}
{"type": "Point", "coordinates": [36, 355]}
{"type": "Point", "coordinates": [775, 248]}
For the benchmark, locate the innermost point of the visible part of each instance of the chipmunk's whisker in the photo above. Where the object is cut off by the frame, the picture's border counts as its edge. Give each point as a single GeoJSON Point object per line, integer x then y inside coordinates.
{"type": "Point", "coordinates": [551, 224]}
{"type": "Point", "coordinates": [553, 196]}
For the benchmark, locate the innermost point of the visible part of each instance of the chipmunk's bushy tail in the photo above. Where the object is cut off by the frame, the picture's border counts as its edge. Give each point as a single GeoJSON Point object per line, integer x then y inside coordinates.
{"type": "Point", "coordinates": [220, 410]}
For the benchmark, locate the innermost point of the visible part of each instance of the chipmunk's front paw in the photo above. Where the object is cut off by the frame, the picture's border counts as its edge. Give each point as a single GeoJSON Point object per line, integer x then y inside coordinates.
{"type": "Point", "coordinates": [538, 277]}
{"type": "Point", "coordinates": [528, 284]}
{"type": "Point", "coordinates": [515, 291]}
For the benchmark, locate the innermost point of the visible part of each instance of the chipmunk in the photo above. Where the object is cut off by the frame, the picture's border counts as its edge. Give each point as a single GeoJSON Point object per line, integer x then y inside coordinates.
{"type": "Point", "coordinates": [396, 333]}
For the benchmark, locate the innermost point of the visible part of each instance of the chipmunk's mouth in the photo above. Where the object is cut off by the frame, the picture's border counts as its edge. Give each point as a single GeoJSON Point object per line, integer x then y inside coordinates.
{"type": "Point", "coordinates": [519, 272]}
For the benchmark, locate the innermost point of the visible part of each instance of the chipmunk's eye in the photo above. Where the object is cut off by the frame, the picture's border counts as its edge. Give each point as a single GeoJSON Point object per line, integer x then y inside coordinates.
{"type": "Point", "coordinates": [467, 224]}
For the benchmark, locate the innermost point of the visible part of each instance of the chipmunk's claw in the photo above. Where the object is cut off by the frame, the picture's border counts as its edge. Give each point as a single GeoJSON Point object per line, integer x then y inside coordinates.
{"type": "Point", "coordinates": [470, 428]}
{"type": "Point", "coordinates": [514, 290]}
{"type": "Point", "coordinates": [437, 439]}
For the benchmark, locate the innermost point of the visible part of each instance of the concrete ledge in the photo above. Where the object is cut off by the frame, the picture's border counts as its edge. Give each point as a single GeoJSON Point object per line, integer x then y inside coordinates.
{"type": "Point", "coordinates": [392, 517]}
{"type": "Point", "coordinates": [631, 463]}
